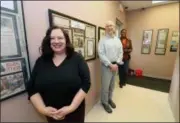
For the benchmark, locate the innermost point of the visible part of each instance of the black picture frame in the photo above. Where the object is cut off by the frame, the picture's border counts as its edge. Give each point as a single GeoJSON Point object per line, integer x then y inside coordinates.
{"type": "Point", "coordinates": [10, 10]}
{"type": "Point", "coordinates": [157, 41]}
{"type": "Point", "coordinates": [50, 14]}
{"type": "Point", "coordinates": [23, 71]}
{"type": "Point", "coordinates": [150, 43]}
{"type": "Point", "coordinates": [26, 71]}
{"type": "Point", "coordinates": [99, 31]}
{"type": "Point", "coordinates": [171, 49]}
{"type": "Point", "coordinates": [15, 28]}
{"type": "Point", "coordinates": [94, 48]}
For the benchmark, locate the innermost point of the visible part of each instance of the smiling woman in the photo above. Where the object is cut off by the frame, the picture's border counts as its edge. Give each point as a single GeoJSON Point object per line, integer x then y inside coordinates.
{"type": "Point", "coordinates": [54, 93]}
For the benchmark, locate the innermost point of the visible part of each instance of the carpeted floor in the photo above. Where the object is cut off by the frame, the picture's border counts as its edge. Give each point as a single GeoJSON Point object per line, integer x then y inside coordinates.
{"type": "Point", "coordinates": [150, 83]}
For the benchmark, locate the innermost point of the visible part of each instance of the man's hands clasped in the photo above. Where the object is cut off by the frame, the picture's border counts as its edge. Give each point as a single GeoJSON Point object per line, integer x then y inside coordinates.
{"type": "Point", "coordinates": [113, 67]}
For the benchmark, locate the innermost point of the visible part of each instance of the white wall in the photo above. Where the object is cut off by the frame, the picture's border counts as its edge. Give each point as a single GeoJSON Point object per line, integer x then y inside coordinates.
{"type": "Point", "coordinates": [174, 90]}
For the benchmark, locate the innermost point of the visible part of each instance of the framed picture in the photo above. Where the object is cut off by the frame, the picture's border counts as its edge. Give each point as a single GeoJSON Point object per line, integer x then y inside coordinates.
{"type": "Point", "coordinates": [90, 31]}
{"type": "Point", "coordinates": [15, 67]}
{"type": "Point", "coordinates": [174, 41]}
{"type": "Point", "coordinates": [146, 42]}
{"type": "Point", "coordinates": [101, 33]}
{"type": "Point", "coordinates": [90, 47]}
{"type": "Point", "coordinates": [12, 84]}
{"type": "Point", "coordinates": [79, 41]}
{"type": "Point", "coordinates": [10, 46]}
{"type": "Point", "coordinates": [160, 51]}
{"type": "Point", "coordinates": [60, 21]}
{"type": "Point", "coordinates": [80, 30]}
{"type": "Point", "coordinates": [10, 66]}
{"type": "Point", "coordinates": [9, 6]}
{"type": "Point", "coordinates": [14, 77]}
{"type": "Point", "coordinates": [161, 41]}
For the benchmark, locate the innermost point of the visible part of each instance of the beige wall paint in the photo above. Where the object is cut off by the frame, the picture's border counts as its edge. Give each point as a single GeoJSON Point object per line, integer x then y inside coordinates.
{"type": "Point", "coordinates": [165, 16]}
{"type": "Point", "coordinates": [36, 18]}
{"type": "Point", "coordinates": [174, 90]}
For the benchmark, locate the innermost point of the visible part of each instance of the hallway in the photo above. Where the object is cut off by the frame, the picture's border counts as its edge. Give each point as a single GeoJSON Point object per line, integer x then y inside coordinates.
{"type": "Point", "coordinates": [134, 104]}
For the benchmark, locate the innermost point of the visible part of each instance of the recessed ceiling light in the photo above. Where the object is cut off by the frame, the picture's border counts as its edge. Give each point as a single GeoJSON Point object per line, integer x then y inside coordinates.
{"type": "Point", "coordinates": [155, 1]}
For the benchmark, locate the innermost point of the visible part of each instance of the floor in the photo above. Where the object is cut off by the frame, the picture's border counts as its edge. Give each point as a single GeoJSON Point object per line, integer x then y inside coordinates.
{"type": "Point", "coordinates": [134, 104]}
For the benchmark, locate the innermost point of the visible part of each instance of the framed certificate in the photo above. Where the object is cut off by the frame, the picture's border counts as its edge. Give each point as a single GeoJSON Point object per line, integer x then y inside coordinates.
{"type": "Point", "coordinates": [147, 42]}
{"type": "Point", "coordinates": [174, 41]}
{"type": "Point", "coordinates": [9, 6]}
{"type": "Point", "coordinates": [10, 46]}
{"type": "Point", "coordinates": [161, 42]}
{"type": "Point", "coordinates": [90, 47]}
{"type": "Point", "coordinates": [160, 51]}
{"type": "Point", "coordinates": [90, 31]}
{"type": "Point", "coordinates": [60, 21]}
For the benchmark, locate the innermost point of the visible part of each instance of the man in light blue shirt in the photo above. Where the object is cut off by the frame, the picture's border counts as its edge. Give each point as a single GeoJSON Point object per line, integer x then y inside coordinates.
{"type": "Point", "coordinates": [110, 53]}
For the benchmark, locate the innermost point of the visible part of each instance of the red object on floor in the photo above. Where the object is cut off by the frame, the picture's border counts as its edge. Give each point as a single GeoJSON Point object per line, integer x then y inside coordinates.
{"type": "Point", "coordinates": [139, 72]}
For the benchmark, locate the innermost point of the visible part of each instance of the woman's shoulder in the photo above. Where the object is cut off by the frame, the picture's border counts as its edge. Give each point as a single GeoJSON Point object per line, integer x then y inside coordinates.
{"type": "Point", "coordinates": [77, 56]}
{"type": "Point", "coordinates": [39, 60]}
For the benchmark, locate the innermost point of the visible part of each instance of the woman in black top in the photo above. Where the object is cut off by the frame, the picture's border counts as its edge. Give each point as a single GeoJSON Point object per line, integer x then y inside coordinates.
{"type": "Point", "coordinates": [60, 79]}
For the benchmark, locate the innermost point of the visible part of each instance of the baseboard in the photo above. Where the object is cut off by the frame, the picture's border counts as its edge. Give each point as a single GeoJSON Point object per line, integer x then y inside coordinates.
{"type": "Point", "coordinates": [158, 77]}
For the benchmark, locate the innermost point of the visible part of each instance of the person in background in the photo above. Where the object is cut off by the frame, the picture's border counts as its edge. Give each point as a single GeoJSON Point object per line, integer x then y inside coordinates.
{"type": "Point", "coordinates": [127, 49]}
{"type": "Point", "coordinates": [110, 53]}
{"type": "Point", "coordinates": [60, 80]}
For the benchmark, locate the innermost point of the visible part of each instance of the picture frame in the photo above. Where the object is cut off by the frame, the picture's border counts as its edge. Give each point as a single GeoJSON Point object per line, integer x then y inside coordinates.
{"type": "Point", "coordinates": [9, 6]}
{"type": "Point", "coordinates": [89, 29]}
{"type": "Point", "coordinates": [10, 46]}
{"type": "Point", "coordinates": [174, 41]}
{"type": "Point", "coordinates": [161, 42]}
{"type": "Point", "coordinates": [78, 40]}
{"type": "Point", "coordinates": [10, 70]}
{"type": "Point", "coordinates": [101, 30]}
{"type": "Point", "coordinates": [147, 41]}
{"type": "Point", "coordinates": [15, 69]}
{"type": "Point", "coordinates": [90, 47]}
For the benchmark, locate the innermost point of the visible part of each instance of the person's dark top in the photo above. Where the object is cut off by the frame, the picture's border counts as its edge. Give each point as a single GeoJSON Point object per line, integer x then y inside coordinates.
{"type": "Point", "coordinates": [58, 85]}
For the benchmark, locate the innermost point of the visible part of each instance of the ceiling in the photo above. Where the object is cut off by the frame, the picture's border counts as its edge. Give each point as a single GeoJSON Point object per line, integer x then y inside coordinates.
{"type": "Point", "coordinates": [134, 5]}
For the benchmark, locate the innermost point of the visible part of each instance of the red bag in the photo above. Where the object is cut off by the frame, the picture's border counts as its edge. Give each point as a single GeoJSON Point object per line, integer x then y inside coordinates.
{"type": "Point", "coordinates": [139, 73]}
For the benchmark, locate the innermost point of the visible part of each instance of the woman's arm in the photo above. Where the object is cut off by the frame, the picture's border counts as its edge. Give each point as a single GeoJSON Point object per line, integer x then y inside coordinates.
{"type": "Point", "coordinates": [84, 73]}
{"type": "Point", "coordinates": [38, 103]}
{"type": "Point", "coordinates": [33, 94]}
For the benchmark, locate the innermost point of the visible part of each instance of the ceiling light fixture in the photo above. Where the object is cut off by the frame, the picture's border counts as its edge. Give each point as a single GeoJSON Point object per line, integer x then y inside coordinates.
{"type": "Point", "coordinates": [155, 1]}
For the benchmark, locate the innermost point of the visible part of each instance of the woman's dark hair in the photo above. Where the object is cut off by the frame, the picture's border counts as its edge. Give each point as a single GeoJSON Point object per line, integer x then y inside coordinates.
{"type": "Point", "coordinates": [45, 49]}
{"type": "Point", "coordinates": [123, 30]}
{"type": "Point", "coordinates": [121, 33]}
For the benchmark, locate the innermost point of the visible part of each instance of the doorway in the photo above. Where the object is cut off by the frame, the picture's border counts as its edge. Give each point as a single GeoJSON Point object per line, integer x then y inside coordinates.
{"type": "Point", "coordinates": [119, 27]}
